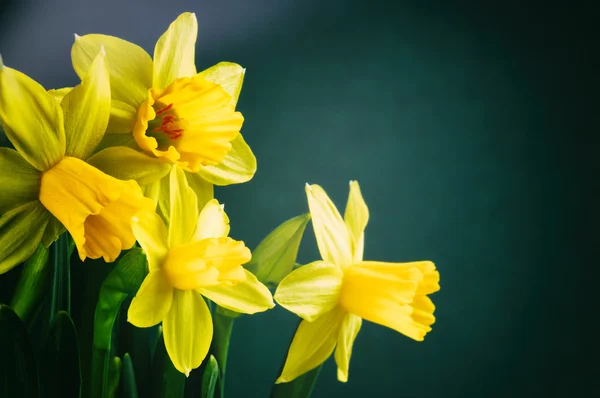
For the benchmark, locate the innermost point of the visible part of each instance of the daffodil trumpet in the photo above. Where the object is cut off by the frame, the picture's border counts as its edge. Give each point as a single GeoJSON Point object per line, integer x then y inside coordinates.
{"type": "Point", "coordinates": [47, 185]}
{"type": "Point", "coordinates": [335, 294]}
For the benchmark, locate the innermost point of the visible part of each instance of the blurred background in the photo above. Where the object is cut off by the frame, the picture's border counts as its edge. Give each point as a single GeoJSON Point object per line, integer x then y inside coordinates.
{"type": "Point", "coordinates": [470, 130]}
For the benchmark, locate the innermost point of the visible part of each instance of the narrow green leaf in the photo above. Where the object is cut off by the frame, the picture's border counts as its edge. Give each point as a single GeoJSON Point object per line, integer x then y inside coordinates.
{"type": "Point", "coordinates": [125, 279]}
{"type": "Point", "coordinates": [168, 381]}
{"type": "Point", "coordinates": [275, 256]}
{"type": "Point", "coordinates": [223, 326]}
{"type": "Point", "coordinates": [209, 378]}
{"type": "Point", "coordinates": [61, 283]}
{"type": "Point", "coordinates": [114, 376]}
{"type": "Point", "coordinates": [129, 386]}
{"type": "Point", "coordinates": [60, 370]}
{"type": "Point", "coordinates": [18, 376]}
{"type": "Point", "coordinates": [33, 284]}
{"type": "Point", "coordinates": [301, 387]}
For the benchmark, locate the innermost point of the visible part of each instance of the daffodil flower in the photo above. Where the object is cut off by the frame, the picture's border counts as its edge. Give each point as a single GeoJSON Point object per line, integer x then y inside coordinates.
{"type": "Point", "coordinates": [191, 258]}
{"type": "Point", "coordinates": [332, 296]}
{"type": "Point", "coordinates": [174, 114]}
{"type": "Point", "coordinates": [47, 185]}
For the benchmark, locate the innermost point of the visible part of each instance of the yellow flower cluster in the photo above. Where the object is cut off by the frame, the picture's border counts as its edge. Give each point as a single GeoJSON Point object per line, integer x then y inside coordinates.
{"type": "Point", "coordinates": [132, 154]}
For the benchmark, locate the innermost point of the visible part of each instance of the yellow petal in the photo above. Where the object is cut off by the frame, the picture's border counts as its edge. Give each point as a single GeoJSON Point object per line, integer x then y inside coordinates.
{"type": "Point", "coordinates": [59, 93]}
{"type": "Point", "coordinates": [212, 222]}
{"type": "Point", "coordinates": [332, 235]}
{"type": "Point", "coordinates": [86, 110]}
{"type": "Point", "coordinates": [248, 296]}
{"type": "Point", "coordinates": [427, 285]}
{"type": "Point", "coordinates": [152, 302]}
{"type": "Point", "coordinates": [228, 75]}
{"type": "Point", "coordinates": [187, 330]}
{"type": "Point", "coordinates": [128, 164]}
{"type": "Point", "coordinates": [348, 331]}
{"type": "Point", "coordinates": [238, 166]}
{"type": "Point", "coordinates": [20, 182]}
{"type": "Point", "coordinates": [32, 119]}
{"type": "Point", "coordinates": [356, 218]}
{"type": "Point", "coordinates": [21, 231]}
{"type": "Point", "coordinates": [313, 343]}
{"type": "Point", "coordinates": [151, 233]}
{"type": "Point", "coordinates": [203, 189]}
{"type": "Point", "coordinates": [129, 66]}
{"type": "Point", "coordinates": [122, 118]}
{"type": "Point", "coordinates": [386, 294]}
{"type": "Point", "coordinates": [207, 262]}
{"type": "Point", "coordinates": [311, 290]}
{"type": "Point", "coordinates": [95, 208]}
{"type": "Point", "coordinates": [174, 51]}
{"type": "Point", "coordinates": [52, 231]}
{"type": "Point", "coordinates": [184, 209]}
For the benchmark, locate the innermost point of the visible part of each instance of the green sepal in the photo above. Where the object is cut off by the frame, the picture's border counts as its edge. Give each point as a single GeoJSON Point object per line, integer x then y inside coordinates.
{"type": "Point", "coordinates": [210, 378]}
{"type": "Point", "coordinates": [275, 256]}
{"type": "Point", "coordinates": [18, 376]}
{"type": "Point", "coordinates": [128, 384]}
{"type": "Point", "coordinates": [125, 279]}
{"type": "Point", "coordinates": [60, 368]}
{"type": "Point", "coordinates": [33, 284]}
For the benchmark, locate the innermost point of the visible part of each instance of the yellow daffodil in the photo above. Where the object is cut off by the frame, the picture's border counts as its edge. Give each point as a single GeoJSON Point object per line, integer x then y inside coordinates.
{"type": "Point", "coordinates": [47, 185]}
{"type": "Point", "coordinates": [332, 296]}
{"type": "Point", "coordinates": [172, 113]}
{"type": "Point", "coordinates": [191, 258]}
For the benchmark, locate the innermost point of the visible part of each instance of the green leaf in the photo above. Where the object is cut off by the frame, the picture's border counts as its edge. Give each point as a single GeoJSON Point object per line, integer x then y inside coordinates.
{"type": "Point", "coordinates": [114, 376]}
{"type": "Point", "coordinates": [301, 387]}
{"type": "Point", "coordinates": [125, 279]}
{"type": "Point", "coordinates": [223, 326]}
{"type": "Point", "coordinates": [33, 284]}
{"type": "Point", "coordinates": [61, 284]}
{"type": "Point", "coordinates": [60, 370]}
{"type": "Point", "coordinates": [129, 386]}
{"type": "Point", "coordinates": [18, 376]}
{"type": "Point", "coordinates": [168, 381]}
{"type": "Point", "coordinates": [209, 378]}
{"type": "Point", "coordinates": [275, 256]}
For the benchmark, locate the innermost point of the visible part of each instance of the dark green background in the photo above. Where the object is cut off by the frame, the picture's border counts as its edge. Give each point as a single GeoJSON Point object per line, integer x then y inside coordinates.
{"type": "Point", "coordinates": [470, 130]}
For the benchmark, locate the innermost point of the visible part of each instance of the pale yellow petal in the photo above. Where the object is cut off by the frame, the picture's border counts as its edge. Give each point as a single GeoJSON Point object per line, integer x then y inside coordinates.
{"type": "Point", "coordinates": [228, 75]}
{"type": "Point", "coordinates": [59, 93]}
{"type": "Point", "coordinates": [184, 209]}
{"type": "Point", "coordinates": [21, 230]}
{"type": "Point", "coordinates": [248, 296]}
{"type": "Point", "coordinates": [187, 330]}
{"type": "Point", "coordinates": [129, 66]}
{"type": "Point", "coordinates": [86, 110]}
{"type": "Point", "coordinates": [203, 189]}
{"type": "Point", "coordinates": [151, 233]}
{"type": "Point", "coordinates": [122, 118]}
{"type": "Point", "coordinates": [212, 222]}
{"type": "Point", "coordinates": [174, 51]}
{"type": "Point", "coordinates": [356, 218]}
{"type": "Point", "coordinates": [332, 235]}
{"type": "Point", "coordinates": [31, 118]}
{"type": "Point", "coordinates": [19, 181]}
{"type": "Point", "coordinates": [52, 231]}
{"type": "Point", "coordinates": [348, 332]}
{"type": "Point", "coordinates": [238, 166]}
{"type": "Point", "coordinates": [311, 290]}
{"type": "Point", "coordinates": [313, 343]}
{"type": "Point", "coordinates": [152, 302]}
{"type": "Point", "coordinates": [128, 164]}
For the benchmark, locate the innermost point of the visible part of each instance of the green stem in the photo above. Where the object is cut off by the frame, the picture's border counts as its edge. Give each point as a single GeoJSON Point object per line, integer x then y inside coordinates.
{"type": "Point", "coordinates": [223, 325]}
{"type": "Point", "coordinates": [61, 285]}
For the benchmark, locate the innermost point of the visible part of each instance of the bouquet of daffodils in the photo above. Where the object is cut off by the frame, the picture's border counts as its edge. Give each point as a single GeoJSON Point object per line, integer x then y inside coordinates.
{"type": "Point", "coordinates": [122, 168]}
